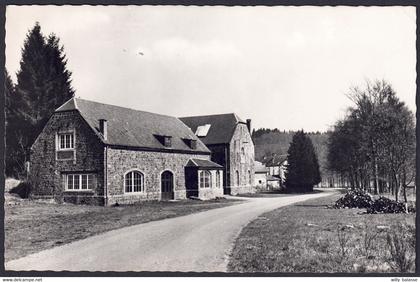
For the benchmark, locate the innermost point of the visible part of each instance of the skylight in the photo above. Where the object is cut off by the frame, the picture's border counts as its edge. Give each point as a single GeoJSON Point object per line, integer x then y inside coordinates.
{"type": "Point", "coordinates": [202, 130]}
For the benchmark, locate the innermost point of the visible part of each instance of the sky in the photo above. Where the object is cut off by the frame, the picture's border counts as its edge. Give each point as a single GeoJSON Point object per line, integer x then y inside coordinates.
{"type": "Point", "coordinates": [283, 67]}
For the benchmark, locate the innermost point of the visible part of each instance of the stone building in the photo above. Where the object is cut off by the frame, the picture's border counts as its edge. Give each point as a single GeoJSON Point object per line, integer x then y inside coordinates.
{"type": "Point", "coordinates": [276, 165]}
{"type": "Point", "coordinates": [94, 153]}
{"type": "Point", "coordinates": [261, 173]}
{"type": "Point", "coordinates": [229, 139]}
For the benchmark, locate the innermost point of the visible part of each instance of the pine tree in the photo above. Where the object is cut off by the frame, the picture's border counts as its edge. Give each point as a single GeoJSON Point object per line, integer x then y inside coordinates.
{"type": "Point", "coordinates": [302, 168]}
{"type": "Point", "coordinates": [43, 84]}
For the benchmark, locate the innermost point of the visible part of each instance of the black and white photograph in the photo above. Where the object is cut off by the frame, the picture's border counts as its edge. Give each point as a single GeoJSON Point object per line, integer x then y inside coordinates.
{"type": "Point", "coordinates": [175, 139]}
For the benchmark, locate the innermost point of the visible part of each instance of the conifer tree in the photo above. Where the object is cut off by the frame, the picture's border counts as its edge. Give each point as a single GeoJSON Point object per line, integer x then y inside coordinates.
{"type": "Point", "coordinates": [43, 84]}
{"type": "Point", "coordinates": [302, 169]}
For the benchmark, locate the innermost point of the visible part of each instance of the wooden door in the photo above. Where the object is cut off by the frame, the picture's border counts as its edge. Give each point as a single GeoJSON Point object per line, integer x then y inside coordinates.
{"type": "Point", "coordinates": [167, 185]}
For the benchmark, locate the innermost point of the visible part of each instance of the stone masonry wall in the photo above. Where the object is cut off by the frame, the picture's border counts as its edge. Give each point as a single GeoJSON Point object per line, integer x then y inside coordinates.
{"type": "Point", "coordinates": [242, 156]}
{"type": "Point", "coordinates": [151, 165]}
{"type": "Point", "coordinates": [47, 173]}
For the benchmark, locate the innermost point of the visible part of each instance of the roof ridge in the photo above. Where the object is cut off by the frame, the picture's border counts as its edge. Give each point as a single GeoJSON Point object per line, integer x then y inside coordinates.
{"type": "Point", "coordinates": [126, 108]}
{"type": "Point", "coordinates": [211, 115]}
{"type": "Point", "coordinates": [64, 105]}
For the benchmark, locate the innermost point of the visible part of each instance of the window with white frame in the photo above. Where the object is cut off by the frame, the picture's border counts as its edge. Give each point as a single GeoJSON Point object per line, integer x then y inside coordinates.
{"type": "Point", "coordinates": [133, 182]}
{"type": "Point", "coordinates": [205, 179]}
{"type": "Point", "coordinates": [218, 179]}
{"type": "Point", "coordinates": [66, 141]}
{"type": "Point", "coordinates": [79, 182]}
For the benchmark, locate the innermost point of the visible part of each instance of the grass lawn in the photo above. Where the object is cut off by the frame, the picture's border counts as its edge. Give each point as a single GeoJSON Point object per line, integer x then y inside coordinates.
{"type": "Point", "coordinates": [32, 226]}
{"type": "Point", "coordinates": [310, 237]}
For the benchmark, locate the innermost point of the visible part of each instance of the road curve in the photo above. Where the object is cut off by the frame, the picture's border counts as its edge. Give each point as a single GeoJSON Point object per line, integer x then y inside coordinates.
{"type": "Point", "coordinates": [199, 242]}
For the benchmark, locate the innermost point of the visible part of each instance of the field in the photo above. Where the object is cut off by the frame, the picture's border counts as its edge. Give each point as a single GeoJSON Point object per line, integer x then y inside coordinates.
{"type": "Point", "coordinates": [32, 226]}
{"type": "Point", "coordinates": [312, 237]}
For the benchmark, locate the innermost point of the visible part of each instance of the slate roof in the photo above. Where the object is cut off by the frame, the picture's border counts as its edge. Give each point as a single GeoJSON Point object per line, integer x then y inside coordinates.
{"type": "Point", "coordinates": [221, 129]}
{"type": "Point", "coordinates": [274, 160]}
{"type": "Point", "coordinates": [203, 164]}
{"type": "Point", "coordinates": [133, 128]}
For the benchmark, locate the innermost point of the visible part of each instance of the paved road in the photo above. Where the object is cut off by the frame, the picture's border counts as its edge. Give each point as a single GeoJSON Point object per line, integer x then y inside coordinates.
{"type": "Point", "coordinates": [198, 242]}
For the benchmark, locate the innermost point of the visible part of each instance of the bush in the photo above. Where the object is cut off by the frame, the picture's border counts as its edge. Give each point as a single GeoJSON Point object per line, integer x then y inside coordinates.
{"type": "Point", "coordinates": [22, 189]}
{"type": "Point", "coordinates": [354, 199]}
{"type": "Point", "coordinates": [360, 199]}
{"type": "Point", "coordinates": [385, 205]}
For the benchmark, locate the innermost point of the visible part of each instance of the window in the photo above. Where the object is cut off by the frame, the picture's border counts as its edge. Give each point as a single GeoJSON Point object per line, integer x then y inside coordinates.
{"type": "Point", "coordinates": [66, 141]}
{"type": "Point", "coordinates": [167, 141]}
{"type": "Point", "coordinates": [249, 176]}
{"type": "Point", "coordinates": [205, 179]}
{"type": "Point", "coordinates": [79, 182]}
{"type": "Point", "coordinates": [218, 179]}
{"type": "Point", "coordinates": [134, 182]}
{"type": "Point", "coordinates": [237, 178]}
{"type": "Point", "coordinates": [202, 130]}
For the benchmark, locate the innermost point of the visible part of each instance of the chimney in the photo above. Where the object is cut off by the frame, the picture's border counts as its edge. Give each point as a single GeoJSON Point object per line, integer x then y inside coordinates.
{"type": "Point", "coordinates": [103, 128]}
{"type": "Point", "coordinates": [248, 124]}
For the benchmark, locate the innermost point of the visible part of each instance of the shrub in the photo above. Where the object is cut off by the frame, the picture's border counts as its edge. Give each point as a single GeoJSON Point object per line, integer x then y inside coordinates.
{"type": "Point", "coordinates": [22, 189]}
{"type": "Point", "coordinates": [385, 205]}
{"type": "Point", "coordinates": [354, 199]}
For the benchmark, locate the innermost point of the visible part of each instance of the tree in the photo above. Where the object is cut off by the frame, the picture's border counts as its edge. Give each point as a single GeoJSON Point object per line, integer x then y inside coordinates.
{"type": "Point", "coordinates": [302, 169]}
{"type": "Point", "coordinates": [43, 84]}
{"type": "Point", "coordinates": [374, 145]}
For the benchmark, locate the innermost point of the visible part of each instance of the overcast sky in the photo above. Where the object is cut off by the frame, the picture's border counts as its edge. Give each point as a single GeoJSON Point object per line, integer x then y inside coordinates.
{"type": "Point", "coordinates": [284, 67]}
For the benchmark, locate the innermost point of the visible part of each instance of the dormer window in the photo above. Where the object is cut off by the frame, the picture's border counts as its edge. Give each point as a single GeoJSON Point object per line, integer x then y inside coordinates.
{"type": "Point", "coordinates": [191, 143]}
{"type": "Point", "coordinates": [164, 140]}
{"type": "Point", "coordinates": [194, 144]}
{"type": "Point", "coordinates": [167, 141]}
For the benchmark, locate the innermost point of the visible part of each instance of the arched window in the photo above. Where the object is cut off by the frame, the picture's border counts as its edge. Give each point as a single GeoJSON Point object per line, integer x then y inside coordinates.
{"type": "Point", "coordinates": [237, 178]}
{"type": "Point", "coordinates": [249, 177]}
{"type": "Point", "coordinates": [133, 182]}
{"type": "Point", "coordinates": [205, 179]}
{"type": "Point", "coordinates": [218, 179]}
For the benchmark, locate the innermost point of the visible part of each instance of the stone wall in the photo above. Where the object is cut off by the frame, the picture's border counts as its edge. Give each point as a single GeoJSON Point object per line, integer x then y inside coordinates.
{"type": "Point", "coordinates": [242, 156]}
{"type": "Point", "coordinates": [151, 165]}
{"type": "Point", "coordinates": [47, 172]}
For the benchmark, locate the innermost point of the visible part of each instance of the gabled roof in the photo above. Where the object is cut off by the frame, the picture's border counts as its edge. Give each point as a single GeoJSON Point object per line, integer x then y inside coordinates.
{"type": "Point", "coordinates": [203, 164]}
{"type": "Point", "coordinates": [221, 127]}
{"type": "Point", "coordinates": [133, 128]}
{"type": "Point", "coordinates": [274, 160]}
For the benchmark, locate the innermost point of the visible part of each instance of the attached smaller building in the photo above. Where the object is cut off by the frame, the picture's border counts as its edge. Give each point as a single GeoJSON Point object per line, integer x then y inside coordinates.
{"type": "Point", "coordinates": [204, 179]}
{"type": "Point", "coordinates": [261, 173]}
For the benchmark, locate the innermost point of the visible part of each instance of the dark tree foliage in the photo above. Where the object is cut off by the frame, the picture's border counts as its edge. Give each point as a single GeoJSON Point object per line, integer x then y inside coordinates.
{"type": "Point", "coordinates": [373, 147]}
{"type": "Point", "coordinates": [303, 168]}
{"type": "Point", "coordinates": [13, 125]}
{"type": "Point", "coordinates": [43, 84]}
